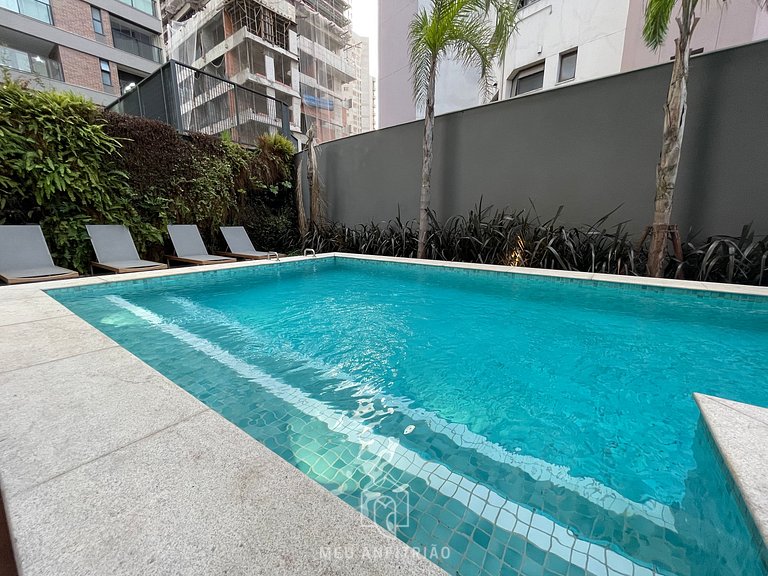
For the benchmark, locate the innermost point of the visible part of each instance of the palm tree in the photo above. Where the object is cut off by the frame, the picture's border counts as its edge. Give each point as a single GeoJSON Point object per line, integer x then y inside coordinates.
{"type": "Point", "coordinates": [657, 17]}
{"type": "Point", "coordinates": [475, 33]}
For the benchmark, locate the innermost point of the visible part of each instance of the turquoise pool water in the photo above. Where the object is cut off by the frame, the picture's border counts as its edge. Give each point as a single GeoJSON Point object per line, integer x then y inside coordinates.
{"type": "Point", "coordinates": [501, 423]}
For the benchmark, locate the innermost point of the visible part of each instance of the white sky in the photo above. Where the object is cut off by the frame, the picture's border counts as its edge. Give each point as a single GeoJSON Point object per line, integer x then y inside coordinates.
{"type": "Point", "coordinates": [365, 21]}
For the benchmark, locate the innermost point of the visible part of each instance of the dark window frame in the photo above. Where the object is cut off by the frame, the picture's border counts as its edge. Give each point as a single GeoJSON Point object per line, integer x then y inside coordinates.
{"type": "Point", "coordinates": [528, 72]}
{"type": "Point", "coordinates": [106, 72]}
{"type": "Point", "coordinates": [568, 54]}
{"type": "Point", "coordinates": [97, 21]}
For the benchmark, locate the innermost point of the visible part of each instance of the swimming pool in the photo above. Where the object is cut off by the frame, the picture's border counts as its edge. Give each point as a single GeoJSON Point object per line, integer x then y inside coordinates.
{"type": "Point", "coordinates": [501, 423]}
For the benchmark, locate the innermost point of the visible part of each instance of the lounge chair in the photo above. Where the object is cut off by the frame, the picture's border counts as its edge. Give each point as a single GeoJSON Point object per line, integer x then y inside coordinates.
{"type": "Point", "coordinates": [189, 246]}
{"type": "Point", "coordinates": [115, 250]}
{"type": "Point", "coordinates": [24, 256]}
{"type": "Point", "coordinates": [240, 246]}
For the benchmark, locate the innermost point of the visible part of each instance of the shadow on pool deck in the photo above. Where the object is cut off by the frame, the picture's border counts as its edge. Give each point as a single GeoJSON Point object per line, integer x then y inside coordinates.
{"type": "Point", "coordinates": [7, 562]}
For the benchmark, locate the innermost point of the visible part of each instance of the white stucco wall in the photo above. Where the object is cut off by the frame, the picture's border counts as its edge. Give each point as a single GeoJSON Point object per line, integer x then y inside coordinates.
{"type": "Point", "coordinates": [548, 28]}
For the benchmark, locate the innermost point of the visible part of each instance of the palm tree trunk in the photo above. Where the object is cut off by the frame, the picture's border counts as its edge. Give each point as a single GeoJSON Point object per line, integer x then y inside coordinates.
{"type": "Point", "coordinates": [672, 142]}
{"type": "Point", "coordinates": [301, 214]}
{"type": "Point", "coordinates": [315, 193]}
{"type": "Point", "coordinates": [426, 167]}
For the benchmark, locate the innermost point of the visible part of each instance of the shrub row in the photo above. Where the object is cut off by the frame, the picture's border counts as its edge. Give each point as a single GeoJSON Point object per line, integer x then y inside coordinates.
{"type": "Point", "coordinates": [490, 236]}
{"type": "Point", "coordinates": [65, 163]}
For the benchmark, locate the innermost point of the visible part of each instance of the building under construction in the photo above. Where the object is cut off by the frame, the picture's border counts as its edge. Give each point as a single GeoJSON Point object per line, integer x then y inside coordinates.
{"type": "Point", "coordinates": [292, 51]}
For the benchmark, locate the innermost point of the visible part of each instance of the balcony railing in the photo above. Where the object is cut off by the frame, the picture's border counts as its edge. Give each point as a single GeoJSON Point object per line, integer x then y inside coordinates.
{"type": "Point", "coordinates": [30, 63]}
{"type": "Point", "coordinates": [128, 43]}
{"type": "Point", "coordinates": [146, 6]}
{"type": "Point", "coordinates": [32, 8]}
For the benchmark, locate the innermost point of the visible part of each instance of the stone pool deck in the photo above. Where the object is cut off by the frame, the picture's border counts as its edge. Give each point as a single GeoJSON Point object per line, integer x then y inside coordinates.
{"type": "Point", "coordinates": [107, 467]}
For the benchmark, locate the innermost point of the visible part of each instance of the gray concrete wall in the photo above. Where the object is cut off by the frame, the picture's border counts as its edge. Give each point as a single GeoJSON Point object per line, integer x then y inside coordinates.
{"type": "Point", "coordinates": [590, 147]}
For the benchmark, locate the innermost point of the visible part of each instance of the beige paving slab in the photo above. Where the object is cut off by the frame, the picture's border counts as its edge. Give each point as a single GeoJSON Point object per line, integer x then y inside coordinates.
{"type": "Point", "coordinates": [31, 287]}
{"type": "Point", "coordinates": [17, 307]}
{"type": "Point", "coordinates": [740, 432]}
{"type": "Point", "coordinates": [62, 414]}
{"type": "Point", "coordinates": [35, 342]}
{"type": "Point", "coordinates": [200, 497]}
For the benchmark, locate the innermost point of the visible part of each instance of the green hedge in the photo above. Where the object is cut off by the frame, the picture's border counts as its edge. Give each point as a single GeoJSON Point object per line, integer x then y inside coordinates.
{"type": "Point", "coordinates": [65, 163]}
{"type": "Point", "coordinates": [490, 236]}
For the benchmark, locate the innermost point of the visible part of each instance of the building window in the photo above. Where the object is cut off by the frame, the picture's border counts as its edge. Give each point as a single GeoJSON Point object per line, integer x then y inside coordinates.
{"type": "Point", "coordinates": [146, 6]}
{"type": "Point", "coordinates": [37, 9]}
{"type": "Point", "coordinates": [529, 80]}
{"type": "Point", "coordinates": [29, 62]}
{"type": "Point", "coordinates": [567, 66]}
{"type": "Point", "coordinates": [98, 25]}
{"type": "Point", "coordinates": [106, 74]}
{"type": "Point", "coordinates": [135, 40]}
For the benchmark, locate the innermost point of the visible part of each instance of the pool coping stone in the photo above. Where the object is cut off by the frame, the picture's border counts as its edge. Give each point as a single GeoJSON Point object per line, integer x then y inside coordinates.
{"type": "Point", "coordinates": [740, 432]}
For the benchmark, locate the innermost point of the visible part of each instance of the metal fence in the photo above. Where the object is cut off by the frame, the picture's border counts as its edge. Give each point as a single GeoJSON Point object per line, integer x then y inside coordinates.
{"type": "Point", "coordinates": [191, 100]}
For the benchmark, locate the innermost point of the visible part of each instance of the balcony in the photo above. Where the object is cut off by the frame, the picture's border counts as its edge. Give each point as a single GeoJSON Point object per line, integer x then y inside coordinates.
{"type": "Point", "coordinates": [33, 8]}
{"type": "Point", "coordinates": [29, 55]}
{"type": "Point", "coordinates": [146, 6]}
{"type": "Point", "coordinates": [124, 40]}
{"type": "Point", "coordinates": [30, 63]}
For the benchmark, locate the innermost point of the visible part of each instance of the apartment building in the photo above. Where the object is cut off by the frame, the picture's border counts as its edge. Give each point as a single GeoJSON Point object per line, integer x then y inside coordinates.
{"type": "Point", "coordinates": [358, 94]}
{"type": "Point", "coordinates": [94, 48]}
{"type": "Point", "coordinates": [557, 42]}
{"type": "Point", "coordinates": [293, 51]}
{"type": "Point", "coordinates": [250, 42]}
{"type": "Point", "coordinates": [565, 41]}
{"type": "Point", "coordinates": [324, 36]}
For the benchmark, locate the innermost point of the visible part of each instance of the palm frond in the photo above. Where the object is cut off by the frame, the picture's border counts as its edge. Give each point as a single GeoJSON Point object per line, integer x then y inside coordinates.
{"type": "Point", "coordinates": [474, 32]}
{"type": "Point", "coordinates": [656, 25]}
{"type": "Point", "coordinates": [421, 53]}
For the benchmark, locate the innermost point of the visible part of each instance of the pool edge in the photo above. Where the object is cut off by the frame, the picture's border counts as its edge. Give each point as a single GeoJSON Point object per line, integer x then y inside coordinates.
{"type": "Point", "coordinates": [740, 434]}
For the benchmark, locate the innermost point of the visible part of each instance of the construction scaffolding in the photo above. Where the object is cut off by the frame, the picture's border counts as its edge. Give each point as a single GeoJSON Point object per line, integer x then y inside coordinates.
{"type": "Point", "coordinates": [261, 21]}
{"type": "Point", "coordinates": [294, 51]}
{"type": "Point", "coordinates": [333, 10]}
{"type": "Point", "coordinates": [192, 100]}
{"type": "Point", "coordinates": [323, 37]}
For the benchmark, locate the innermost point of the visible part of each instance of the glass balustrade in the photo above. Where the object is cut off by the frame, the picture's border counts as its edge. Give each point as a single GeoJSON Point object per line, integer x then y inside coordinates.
{"type": "Point", "coordinates": [124, 40]}
{"type": "Point", "coordinates": [30, 63]}
{"type": "Point", "coordinates": [36, 9]}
